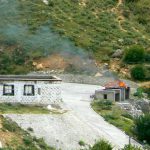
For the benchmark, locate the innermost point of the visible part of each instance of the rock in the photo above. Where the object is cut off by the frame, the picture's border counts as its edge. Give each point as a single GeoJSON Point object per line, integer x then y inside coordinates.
{"type": "Point", "coordinates": [1, 145]}
{"type": "Point", "coordinates": [49, 107]}
{"type": "Point", "coordinates": [98, 74]}
{"type": "Point", "coordinates": [118, 53]}
{"type": "Point", "coordinates": [144, 105]}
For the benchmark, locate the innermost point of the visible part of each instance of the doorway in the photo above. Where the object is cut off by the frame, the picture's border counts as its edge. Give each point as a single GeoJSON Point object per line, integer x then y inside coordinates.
{"type": "Point", "coordinates": [117, 97]}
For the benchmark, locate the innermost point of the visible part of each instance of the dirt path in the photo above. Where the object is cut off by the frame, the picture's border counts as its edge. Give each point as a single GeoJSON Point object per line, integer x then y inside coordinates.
{"type": "Point", "coordinates": [120, 18]}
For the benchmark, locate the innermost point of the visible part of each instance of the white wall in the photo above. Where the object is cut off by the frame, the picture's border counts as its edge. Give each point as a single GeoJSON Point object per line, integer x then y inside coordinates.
{"type": "Point", "coordinates": [100, 95]}
{"type": "Point", "coordinates": [50, 92]}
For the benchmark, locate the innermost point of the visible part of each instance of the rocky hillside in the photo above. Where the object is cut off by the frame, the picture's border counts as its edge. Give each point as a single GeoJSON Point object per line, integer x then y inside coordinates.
{"type": "Point", "coordinates": [85, 29]}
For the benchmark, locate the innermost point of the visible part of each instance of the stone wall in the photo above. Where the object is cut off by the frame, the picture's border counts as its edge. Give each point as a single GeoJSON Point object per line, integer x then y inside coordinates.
{"type": "Point", "coordinates": [50, 93]}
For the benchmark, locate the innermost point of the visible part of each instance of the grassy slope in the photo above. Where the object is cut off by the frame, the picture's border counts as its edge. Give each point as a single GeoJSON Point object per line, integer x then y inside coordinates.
{"type": "Point", "coordinates": [98, 26]}
{"type": "Point", "coordinates": [22, 109]}
{"type": "Point", "coordinates": [13, 137]}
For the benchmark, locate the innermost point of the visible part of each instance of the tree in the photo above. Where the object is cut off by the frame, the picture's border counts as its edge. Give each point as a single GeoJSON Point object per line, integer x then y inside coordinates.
{"type": "Point", "coordinates": [138, 72]}
{"type": "Point", "coordinates": [134, 54]}
{"type": "Point", "coordinates": [142, 127]}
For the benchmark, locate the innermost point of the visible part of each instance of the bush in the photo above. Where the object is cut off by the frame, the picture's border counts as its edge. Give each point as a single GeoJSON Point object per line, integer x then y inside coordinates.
{"type": "Point", "coordinates": [139, 93]}
{"type": "Point", "coordinates": [27, 140]}
{"type": "Point", "coordinates": [102, 145]}
{"type": "Point", "coordinates": [81, 143]}
{"type": "Point", "coordinates": [131, 147]}
{"type": "Point", "coordinates": [105, 104]}
{"type": "Point", "coordinates": [134, 54]}
{"type": "Point", "coordinates": [142, 127]}
{"type": "Point", "coordinates": [138, 72]}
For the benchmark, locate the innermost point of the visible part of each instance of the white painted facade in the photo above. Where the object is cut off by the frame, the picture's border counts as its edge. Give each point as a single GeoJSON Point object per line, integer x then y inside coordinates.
{"type": "Point", "coordinates": [45, 92]}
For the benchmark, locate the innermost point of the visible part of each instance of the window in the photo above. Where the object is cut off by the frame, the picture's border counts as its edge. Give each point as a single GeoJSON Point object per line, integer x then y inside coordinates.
{"type": "Point", "coordinates": [105, 96]}
{"type": "Point", "coordinates": [29, 90]}
{"type": "Point", "coordinates": [8, 90]}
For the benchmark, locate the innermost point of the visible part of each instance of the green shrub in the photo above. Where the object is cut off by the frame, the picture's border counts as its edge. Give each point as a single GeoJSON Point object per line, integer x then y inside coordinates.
{"type": "Point", "coordinates": [131, 147]}
{"type": "Point", "coordinates": [81, 143]}
{"type": "Point", "coordinates": [105, 104]}
{"type": "Point", "coordinates": [139, 93]}
{"type": "Point", "coordinates": [147, 57]}
{"type": "Point", "coordinates": [138, 72]}
{"type": "Point", "coordinates": [43, 145]}
{"type": "Point", "coordinates": [142, 127]}
{"type": "Point", "coordinates": [27, 140]}
{"type": "Point", "coordinates": [147, 91]}
{"type": "Point", "coordinates": [102, 145]}
{"type": "Point", "coordinates": [134, 54]}
{"type": "Point", "coordinates": [127, 115]}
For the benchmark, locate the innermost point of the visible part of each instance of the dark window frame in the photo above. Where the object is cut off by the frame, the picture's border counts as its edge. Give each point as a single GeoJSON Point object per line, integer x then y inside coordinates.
{"type": "Point", "coordinates": [32, 88]}
{"type": "Point", "coordinates": [5, 93]}
{"type": "Point", "coordinates": [105, 96]}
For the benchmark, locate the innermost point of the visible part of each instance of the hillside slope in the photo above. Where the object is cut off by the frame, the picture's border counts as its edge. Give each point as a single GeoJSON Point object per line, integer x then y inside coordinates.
{"type": "Point", "coordinates": [79, 27]}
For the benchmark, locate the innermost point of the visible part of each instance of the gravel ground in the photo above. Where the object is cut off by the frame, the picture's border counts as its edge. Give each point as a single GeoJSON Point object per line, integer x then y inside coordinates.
{"type": "Point", "coordinates": [79, 123]}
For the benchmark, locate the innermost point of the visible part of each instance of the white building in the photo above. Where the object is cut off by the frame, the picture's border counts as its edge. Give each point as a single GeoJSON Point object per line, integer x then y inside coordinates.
{"type": "Point", "coordinates": [25, 89]}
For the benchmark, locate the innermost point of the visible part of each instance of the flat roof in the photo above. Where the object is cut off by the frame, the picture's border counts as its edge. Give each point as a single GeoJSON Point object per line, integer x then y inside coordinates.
{"type": "Point", "coordinates": [28, 78]}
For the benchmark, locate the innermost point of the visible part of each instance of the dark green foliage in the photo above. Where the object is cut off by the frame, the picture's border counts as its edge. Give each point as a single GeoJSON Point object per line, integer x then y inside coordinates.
{"type": "Point", "coordinates": [147, 91]}
{"type": "Point", "coordinates": [142, 127]}
{"type": "Point", "coordinates": [131, 147]}
{"type": "Point", "coordinates": [105, 104]}
{"type": "Point", "coordinates": [30, 129]}
{"type": "Point", "coordinates": [27, 140]}
{"type": "Point", "coordinates": [129, 1]}
{"type": "Point", "coordinates": [81, 143]}
{"type": "Point", "coordinates": [134, 54]}
{"type": "Point", "coordinates": [138, 72]}
{"type": "Point", "coordinates": [147, 57]}
{"type": "Point", "coordinates": [139, 93]}
{"type": "Point", "coordinates": [42, 144]}
{"type": "Point", "coordinates": [16, 61]}
{"type": "Point", "coordinates": [102, 145]}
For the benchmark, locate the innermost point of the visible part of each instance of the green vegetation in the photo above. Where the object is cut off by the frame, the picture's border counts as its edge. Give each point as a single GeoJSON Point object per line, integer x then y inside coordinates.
{"type": "Point", "coordinates": [142, 128]}
{"type": "Point", "coordinates": [6, 108]}
{"type": "Point", "coordinates": [139, 92]}
{"type": "Point", "coordinates": [105, 145]}
{"type": "Point", "coordinates": [99, 27]}
{"type": "Point", "coordinates": [81, 143]}
{"type": "Point", "coordinates": [18, 139]}
{"type": "Point", "coordinates": [138, 72]}
{"type": "Point", "coordinates": [102, 145]}
{"type": "Point", "coordinates": [134, 54]}
{"type": "Point", "coordinates": [115, 116]}
{"type": "Point", "coordinates": [131, 147]}
{"type": "Point", "coordinates": [147, 91]}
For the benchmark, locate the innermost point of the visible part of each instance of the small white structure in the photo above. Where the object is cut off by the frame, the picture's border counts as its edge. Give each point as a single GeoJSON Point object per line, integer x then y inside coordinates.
{"type": "Point", "coordinates": [116, 91]}
{"type": "Point", "coordinates": [25, 89]}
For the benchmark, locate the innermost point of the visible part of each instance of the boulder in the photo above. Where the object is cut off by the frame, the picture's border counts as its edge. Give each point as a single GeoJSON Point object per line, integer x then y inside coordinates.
{"type": "Point", "coordinates": [117, 54]}
{"type": "Point", "coordinates": [144, 105]}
